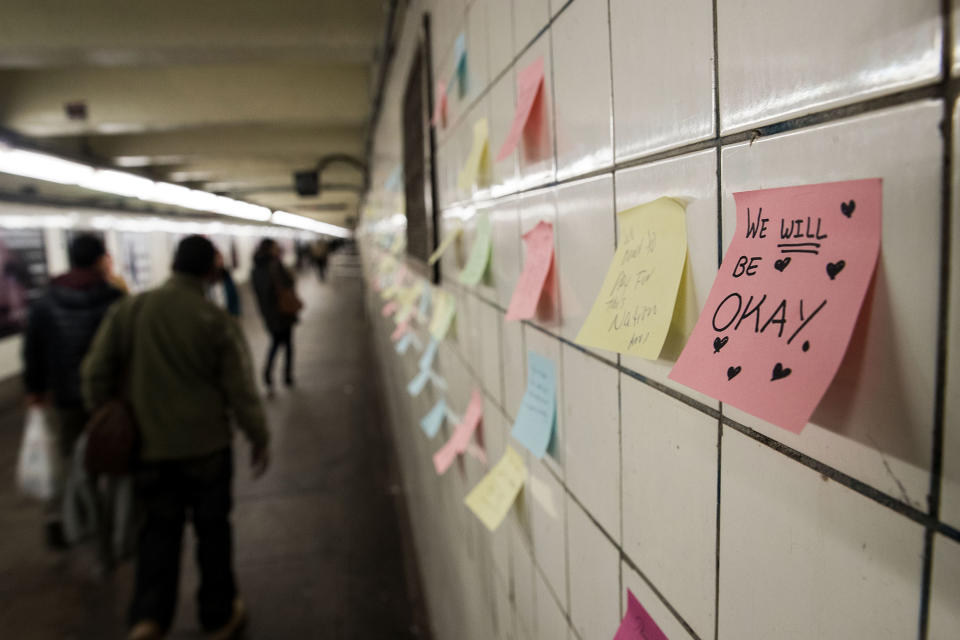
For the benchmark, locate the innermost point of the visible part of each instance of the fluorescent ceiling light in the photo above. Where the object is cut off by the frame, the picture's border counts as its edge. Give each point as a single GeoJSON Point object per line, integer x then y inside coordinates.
{"type": "Point", "coordinates": [120, 183]}
{"type": "Point", "coordinates": [302, 222]}
{"type": "Point", "coordinates": [41, 166]}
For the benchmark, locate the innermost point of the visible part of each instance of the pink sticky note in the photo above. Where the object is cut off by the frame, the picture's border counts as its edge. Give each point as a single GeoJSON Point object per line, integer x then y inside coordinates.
{"type": "Point", "coordinates": [389, 309]}
{"type": "Point", "coordinates": [440, 107]}
{"type": "Point", "coordinates": [460, 439]}
{"type": "Point", "coordinates": [401, 329]}
{"type": "Point", "coordinates": [782, 309]}
{"type": "Point", "coordinates": [536, 268]}
{"type": "Point", "coordinates": [637, 623]}
{"type": "Point", "coordinates": [528, 88]}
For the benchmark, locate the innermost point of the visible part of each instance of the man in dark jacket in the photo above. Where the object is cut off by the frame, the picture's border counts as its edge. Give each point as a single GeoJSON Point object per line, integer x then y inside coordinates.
{"type": "Point", "coordinates": [59, 331]}
{"type": "Point", "coordinates": [188, 375]}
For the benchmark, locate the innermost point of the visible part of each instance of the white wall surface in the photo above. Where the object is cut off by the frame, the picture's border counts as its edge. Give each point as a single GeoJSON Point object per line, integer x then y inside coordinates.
{"type": "Point", "coordinates": [724, 526]}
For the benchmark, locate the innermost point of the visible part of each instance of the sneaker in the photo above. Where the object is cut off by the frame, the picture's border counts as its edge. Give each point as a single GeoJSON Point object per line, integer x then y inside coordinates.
{"type": "Point", "coordinates": [145, 630]}
{"type": "Point", "coordinates": [233, 625]}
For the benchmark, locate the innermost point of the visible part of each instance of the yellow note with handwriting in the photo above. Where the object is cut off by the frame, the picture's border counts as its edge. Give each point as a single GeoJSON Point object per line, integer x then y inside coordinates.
{"type": "Point", "coordinates": [491, 499]}
{"type": "Point", "coordinates": [633, 310]}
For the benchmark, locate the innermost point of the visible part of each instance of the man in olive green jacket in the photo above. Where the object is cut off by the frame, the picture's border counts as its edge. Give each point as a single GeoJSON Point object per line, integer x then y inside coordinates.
{"type": "Point", "coordinates": [184, 366]}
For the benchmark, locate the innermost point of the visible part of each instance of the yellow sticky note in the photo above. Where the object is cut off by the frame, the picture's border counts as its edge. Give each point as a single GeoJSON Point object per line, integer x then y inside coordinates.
{"type": "Point", "coordinates": [478, 160]}
{"type": "Point", "coordinates": [491, 499]}
{"type": "Point", "coordinates": [445, 244]}
{"type": "Point", "coordinates": [444, 308]}
{"type": "Point", "coordinates": [632, 312]}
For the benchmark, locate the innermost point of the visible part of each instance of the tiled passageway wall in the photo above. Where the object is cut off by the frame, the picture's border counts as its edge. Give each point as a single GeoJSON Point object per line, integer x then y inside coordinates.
{"type": "Point", "coordinates": [722, 525]}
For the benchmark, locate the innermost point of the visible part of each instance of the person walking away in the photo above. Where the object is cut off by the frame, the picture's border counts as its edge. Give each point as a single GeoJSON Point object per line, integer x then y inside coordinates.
{"type": "Point", "coordinates": [279, 306]}
{"type": "Point", "coordinates": [224, 292]}
{"type": "Point", "coordinates": [185, 369]}
{"type": "Point", "coordinates": [60, 327]}
{"type": "Point", "coordinates": [320, 250]}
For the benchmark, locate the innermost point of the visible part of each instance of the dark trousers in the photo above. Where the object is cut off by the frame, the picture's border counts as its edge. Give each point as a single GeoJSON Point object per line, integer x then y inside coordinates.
{"type": "Point", "coordinates": [282, 338]}
{"type": "Point", "coordinates": [169, 490]}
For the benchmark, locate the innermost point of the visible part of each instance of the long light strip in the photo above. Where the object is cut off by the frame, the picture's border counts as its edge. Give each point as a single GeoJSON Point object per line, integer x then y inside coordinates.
{"type": "Point", "coordinates": [302, 222]}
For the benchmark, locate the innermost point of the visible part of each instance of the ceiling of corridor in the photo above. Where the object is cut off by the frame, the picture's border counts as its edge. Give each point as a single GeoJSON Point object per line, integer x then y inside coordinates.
{"type": "Point", "coordinates": [231, 96]}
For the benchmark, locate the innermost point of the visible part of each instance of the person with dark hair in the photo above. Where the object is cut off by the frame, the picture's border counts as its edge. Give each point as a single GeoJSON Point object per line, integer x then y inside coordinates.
{"type": "Point", "coordinates": [60, 328]}
{"type": "Point", "coordinates": [184, 367]}
{"type": "Point", "coordinates": [279, 306]}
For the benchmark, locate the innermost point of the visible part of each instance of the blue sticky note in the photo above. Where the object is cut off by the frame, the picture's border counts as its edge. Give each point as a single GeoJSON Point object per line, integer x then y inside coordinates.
{"type": "Point", "coordinates": [432, 421]}
{"type": "Point", "coordinates": [537, 415]}
{"type": "Point", "coordinates": [429, 354]}
{"type": "Point", "coordinates": [418, 383]}
{"type": "Point", "coordinates": [459, 47]}
{"type": "Point", "coordinates": [424, 310]}
{"type": "Point", "coordinates": [404, 343]}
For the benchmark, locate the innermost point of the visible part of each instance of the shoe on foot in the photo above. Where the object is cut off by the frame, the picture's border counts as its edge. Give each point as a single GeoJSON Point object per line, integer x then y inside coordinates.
{"type": "Point", "coordinates": [236, 622]}
{"type": "Point", "coordinates": [145, 630]}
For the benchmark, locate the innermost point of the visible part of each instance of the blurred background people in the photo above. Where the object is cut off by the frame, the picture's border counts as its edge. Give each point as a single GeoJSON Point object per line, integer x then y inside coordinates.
{"type": "Point", "coordinates": [320, 250]}
{"type": "Point", "coordinates": [223, 291]}
{"type": "Point", "coordinates": [186, 367]}
{"type": "Point", "coordinates": [60, 328]}
{"type": "Point", "coordinates": [279, 305]}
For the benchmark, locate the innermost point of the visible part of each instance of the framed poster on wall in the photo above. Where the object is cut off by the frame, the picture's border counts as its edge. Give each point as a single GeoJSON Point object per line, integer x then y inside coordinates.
{"type": "Point", "coordinates": [23, 276]}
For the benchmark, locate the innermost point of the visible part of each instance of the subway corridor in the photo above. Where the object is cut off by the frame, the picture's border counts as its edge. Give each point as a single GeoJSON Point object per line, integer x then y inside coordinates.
{"type": "Point", "coordinates": [321, 547]}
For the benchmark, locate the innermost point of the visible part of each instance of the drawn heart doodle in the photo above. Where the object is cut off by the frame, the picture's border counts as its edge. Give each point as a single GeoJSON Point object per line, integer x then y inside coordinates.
{"type": "Point", "coordinates": [833, 268]}
{"type": "Point", "coordinates": [780, 265]}
{"type": "Point", "coordinates": [846, 208]}
{"type": "Point", "coordinates": [718, 343]}
{"type": "Point", "coordinates": [780, 372]}
{"type": "Point", "coordinates": [732, 372]}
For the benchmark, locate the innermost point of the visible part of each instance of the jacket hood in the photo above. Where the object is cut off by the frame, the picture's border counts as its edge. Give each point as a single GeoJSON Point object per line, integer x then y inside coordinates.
{"type": "Point", "coordinates": [65, 293]}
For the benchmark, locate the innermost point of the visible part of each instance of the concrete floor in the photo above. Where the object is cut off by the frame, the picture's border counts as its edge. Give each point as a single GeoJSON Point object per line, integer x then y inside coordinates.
{"type": "Point", "coordinates": [322, 545]}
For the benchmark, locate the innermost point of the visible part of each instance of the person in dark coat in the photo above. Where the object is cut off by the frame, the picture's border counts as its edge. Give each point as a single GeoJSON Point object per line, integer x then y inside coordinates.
{"type": "Point", "coordinates": [60, 329]}
{"type": "Point", "coordinates": [273, 285]}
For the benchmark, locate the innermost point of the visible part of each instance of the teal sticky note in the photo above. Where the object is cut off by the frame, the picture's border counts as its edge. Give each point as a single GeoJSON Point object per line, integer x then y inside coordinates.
{"type": "Point", "coordinates": [460, 65]}
{"type": "Point", "coordinates": [432, 421]}
{"type": "Point", "coordinates": [537, 416]}
{"type": "Point", "coordinates": [404, 343]}
{"type": "Point", "coordinates": [418, 383]}
{"type": "Point", "coordinates": [429, 354]}
{"type": "Point", "coordinates": [424, 310]}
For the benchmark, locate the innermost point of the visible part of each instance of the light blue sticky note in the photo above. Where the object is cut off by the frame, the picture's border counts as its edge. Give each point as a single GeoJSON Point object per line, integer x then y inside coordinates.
{"type": "Point", "coordinates": [537, 415]}
{"type": "Point", "coordinates": [432, 421]}
{"type": "Point", "coordinates": [404, 343]}
{"type": "Point", "coordinates": [459, 48]}
{"type": "Point", "coordinates": [418, 383]}
{"type": "Point", "coordinates": [429, 354]}
{"type": "Point", "coordinates": [424, 310]}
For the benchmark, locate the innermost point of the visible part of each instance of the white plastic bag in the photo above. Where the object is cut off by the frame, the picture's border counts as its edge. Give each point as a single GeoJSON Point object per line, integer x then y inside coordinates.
{"type": "Point", "coordinates": [35, 465]}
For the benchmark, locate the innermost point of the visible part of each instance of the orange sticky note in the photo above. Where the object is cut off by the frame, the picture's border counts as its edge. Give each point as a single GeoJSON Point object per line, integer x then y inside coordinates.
{"type": "Point", "coordinates": [460, 440]}
{"type": "Point", "coordinates": [783, 307]}
{"type": "Point", "coordinates": [528, 88]}
{"type": "Point", "coordinates": [536, 268]}
{"type": "Point", "coordinates": [440, 108]}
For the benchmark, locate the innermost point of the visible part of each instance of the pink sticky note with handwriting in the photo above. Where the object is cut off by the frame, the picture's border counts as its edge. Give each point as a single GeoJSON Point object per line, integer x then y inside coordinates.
{"type": "Point", "coordinates": [401, 329]}
{"type": "Point", "coordinates": [537, 266]}
{"type": "Point", "coordinates": [784, 305]}
{"type": "Point", "coordinates": [460, 439]}
{"type": "Point", "coordinates": [440, 108]}
{"type": "Point", "coordinates": [528, 88]}
{"type": "Point", "coordinates": [637, 623]}
{"type": "Point", "coordinates": [389, 309]}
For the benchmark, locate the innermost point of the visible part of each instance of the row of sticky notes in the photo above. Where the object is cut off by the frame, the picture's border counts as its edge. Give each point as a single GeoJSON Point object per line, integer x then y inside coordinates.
{"type": "Point", "coordinates": [781, 310]}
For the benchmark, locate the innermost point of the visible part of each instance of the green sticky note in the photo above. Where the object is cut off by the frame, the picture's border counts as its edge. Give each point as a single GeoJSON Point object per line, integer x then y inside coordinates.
{"type": "Point", "coordinates": [479, 253]}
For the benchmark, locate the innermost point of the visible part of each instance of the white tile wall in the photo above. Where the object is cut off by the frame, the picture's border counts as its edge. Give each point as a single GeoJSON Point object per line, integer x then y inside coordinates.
{"type": "Point", "coordinates": [662, 74]}
{"type": "Point", "coordinates": [591, 415]}
{"type": "Point", "coordinates": [945, 591]}
{"type": "Point", "coordinates": [853, 57]}
{"type": "Point", "coordinates": [594, 577]}
{"type": "Point", "coordinates": [802, 556]}
{"type": "Point", "coordinates": [581, 86]}
{"type": "Point", "coordinates": [665, 442]}
{"type": "Point", "coordinates": [585, 233]}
